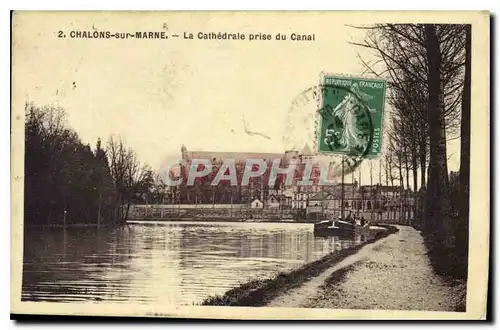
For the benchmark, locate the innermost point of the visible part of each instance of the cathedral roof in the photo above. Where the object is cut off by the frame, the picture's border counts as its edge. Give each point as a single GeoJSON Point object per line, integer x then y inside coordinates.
{"type": "Point", "coordinates": [237, 156]}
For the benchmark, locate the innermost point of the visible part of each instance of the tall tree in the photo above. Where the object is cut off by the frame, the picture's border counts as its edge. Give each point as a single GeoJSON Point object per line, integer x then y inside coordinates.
{"type": "Point", "coordinates": [437, 187]}
{"type": "Point", "coordinates": [463, 228]}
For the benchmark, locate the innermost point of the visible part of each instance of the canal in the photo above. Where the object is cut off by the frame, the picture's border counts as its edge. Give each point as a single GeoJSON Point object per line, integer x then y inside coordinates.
{"type": "Point", "coordinates": [170, 263]}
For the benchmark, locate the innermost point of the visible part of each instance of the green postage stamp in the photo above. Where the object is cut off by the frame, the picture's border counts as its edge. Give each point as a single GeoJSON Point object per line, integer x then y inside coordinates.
{"type": "Point", "coordinates": [351, 116]}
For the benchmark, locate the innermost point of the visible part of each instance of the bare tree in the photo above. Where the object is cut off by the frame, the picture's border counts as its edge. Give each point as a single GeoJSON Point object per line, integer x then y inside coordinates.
{"type": "Point", "coordinates": [158, 189]}
{"type": "Point", "coordinates": [131, 179]}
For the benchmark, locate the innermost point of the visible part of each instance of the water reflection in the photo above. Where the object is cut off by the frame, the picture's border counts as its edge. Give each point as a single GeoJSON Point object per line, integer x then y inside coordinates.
{"type": "Point", "coordinates": [164, 263]}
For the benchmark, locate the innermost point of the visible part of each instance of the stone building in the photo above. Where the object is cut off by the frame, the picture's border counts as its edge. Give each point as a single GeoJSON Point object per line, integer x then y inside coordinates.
{"type": "Point", "coordinates": [203, 192]}
{"type": "Point", "coordinates": [375, 202]}
{"type": "Point", "coordinates": [292, 196]}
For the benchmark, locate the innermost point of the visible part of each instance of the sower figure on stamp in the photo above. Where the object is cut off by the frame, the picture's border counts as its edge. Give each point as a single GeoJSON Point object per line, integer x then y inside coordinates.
{"type": "Point", "coordinates": [347, 111]}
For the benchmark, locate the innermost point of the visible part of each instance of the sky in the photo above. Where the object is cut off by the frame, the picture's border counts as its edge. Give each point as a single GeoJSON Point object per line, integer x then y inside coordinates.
{"type": "Point", "coordinates": [205, 94]}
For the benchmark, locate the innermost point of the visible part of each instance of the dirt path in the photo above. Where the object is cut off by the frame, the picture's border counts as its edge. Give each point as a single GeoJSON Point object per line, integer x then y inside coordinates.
{"type": "Point", "coordinates": [393, 273]}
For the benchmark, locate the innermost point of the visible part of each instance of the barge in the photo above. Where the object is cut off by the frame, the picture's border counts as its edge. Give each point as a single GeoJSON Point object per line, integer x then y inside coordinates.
{"type": "Point", "coordinates": [334, 228]}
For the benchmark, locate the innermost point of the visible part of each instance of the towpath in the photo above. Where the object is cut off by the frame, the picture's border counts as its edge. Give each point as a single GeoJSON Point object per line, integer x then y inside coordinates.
{"type": "Point", "coordinates": [392, 273]}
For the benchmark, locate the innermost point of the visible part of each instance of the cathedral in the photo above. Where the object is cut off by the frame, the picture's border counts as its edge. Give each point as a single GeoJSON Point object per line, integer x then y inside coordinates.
{"type": "Point", "coordinates": [205, 193]}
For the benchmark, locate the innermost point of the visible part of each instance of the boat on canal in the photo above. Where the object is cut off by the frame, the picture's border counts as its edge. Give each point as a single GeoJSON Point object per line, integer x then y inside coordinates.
{"type": "Point", "coordinates": [337, 227]}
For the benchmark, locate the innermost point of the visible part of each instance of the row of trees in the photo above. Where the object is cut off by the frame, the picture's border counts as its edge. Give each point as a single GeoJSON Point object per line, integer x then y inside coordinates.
{"type": "Point", "coordinates": [427, 67]}
{"type": "Point", "coordinates": [68, 182]}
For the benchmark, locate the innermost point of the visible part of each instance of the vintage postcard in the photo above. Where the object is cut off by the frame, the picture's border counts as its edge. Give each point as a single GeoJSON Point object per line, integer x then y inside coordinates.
{"type": "Point", "coordinates": [251, 165]}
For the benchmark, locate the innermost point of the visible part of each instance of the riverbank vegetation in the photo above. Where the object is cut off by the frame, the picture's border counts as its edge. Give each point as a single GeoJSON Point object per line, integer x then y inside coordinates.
{"type": "Point", "coordinates": [261, 291]}
{"type": "Point", "coordinates": [427, 67]}
{"type": "Point", "coordinates": [68, 182]}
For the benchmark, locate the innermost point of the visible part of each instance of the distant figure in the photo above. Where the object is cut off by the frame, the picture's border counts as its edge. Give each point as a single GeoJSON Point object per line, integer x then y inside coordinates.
{"type": "Point", "coordinates": [349, 218]}
{"type": "Point", "coordinates": [356, 220]}
{"type": "Point", "coordinates": [362, 221]}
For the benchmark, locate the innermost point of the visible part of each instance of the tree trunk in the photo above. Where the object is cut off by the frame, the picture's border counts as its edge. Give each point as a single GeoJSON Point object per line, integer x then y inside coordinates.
{"type": "Point", "coordinates": [400, 168]}
{"type": "Point", "coordinates": [386, 174]}
{"type": "Point", "coordinates": [415, 179]}
{"type": "Point", "coordinates": [126, 213]}
{"type": "Point", "coordinates": [401, 186]}
{"type": "Point", "coordinates": [463, 221]}
{"type": "Point", "coordinates": [423, 155]}
{"type": "Point", "coordinates": [407, 173]}
{"type": "Point", "coordinates": [438, 190]}
{"type": "Point", "coordinates": [119, 206]}
{"type": "Point", "coordinates": [99, 210]}
{"type": "Point", "coordinates": [407, 170]}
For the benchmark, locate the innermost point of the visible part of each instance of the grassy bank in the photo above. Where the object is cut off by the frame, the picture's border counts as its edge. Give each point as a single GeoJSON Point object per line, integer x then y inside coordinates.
{"type": "Point", "coordinates": [260, 292]}
{"type": "Point", "coordinates": [451, 264]}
